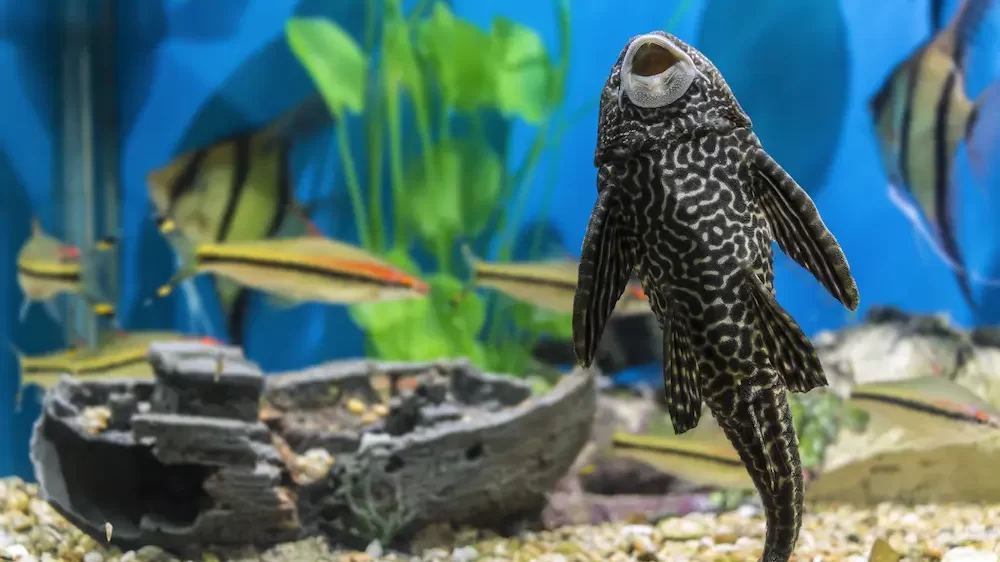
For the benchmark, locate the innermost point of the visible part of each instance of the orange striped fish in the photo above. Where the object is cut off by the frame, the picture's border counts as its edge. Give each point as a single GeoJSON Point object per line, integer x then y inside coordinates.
{"type": "Point", "coordinates": [299, 270]}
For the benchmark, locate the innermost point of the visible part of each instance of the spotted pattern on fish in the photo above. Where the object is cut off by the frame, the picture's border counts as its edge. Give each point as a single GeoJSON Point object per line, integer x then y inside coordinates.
{"type": "Point", "coordinates": [688, 198]}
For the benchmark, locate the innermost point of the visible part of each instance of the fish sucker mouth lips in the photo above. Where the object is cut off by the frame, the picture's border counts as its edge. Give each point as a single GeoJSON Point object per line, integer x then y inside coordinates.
{"type": "Point", "coordinates": [655, 72]}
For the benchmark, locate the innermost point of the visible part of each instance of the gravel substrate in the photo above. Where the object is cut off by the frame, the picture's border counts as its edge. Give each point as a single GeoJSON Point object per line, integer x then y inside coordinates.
{"type": "Point", "coordinates": [30, 531]}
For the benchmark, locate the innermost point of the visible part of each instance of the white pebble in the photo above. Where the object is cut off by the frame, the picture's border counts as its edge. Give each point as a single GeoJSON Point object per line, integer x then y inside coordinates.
{"type": "Point", "coordinates": [464, 554]}
{"type": "Point", "coordinates": [374, 549]}
{"type": "Point", "coordinates": [93, 556]}
{"type": "Point", "coordinates": [966, 554]}
{"type": "Point", "coordinates": [637, 530]}
{"type": "Point", "coordinates": [16, 551]}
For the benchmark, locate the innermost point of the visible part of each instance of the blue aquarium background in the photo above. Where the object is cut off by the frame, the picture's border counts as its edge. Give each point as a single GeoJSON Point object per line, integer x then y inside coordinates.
{"type": "Point", "coordinates": [189, 73]}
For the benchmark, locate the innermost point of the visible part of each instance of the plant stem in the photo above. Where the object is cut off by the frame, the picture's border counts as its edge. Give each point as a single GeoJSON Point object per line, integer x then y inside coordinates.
{"type": "Point", "coordinates": [375, 155]}
{"type": "Point", "coordinates": [396, 165]}
{"type": "Point", "coordinates": [353, 186]}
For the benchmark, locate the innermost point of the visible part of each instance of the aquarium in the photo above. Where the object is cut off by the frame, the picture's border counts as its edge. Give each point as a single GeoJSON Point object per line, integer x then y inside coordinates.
{"type": "Point", "coordinates": [454, 280]}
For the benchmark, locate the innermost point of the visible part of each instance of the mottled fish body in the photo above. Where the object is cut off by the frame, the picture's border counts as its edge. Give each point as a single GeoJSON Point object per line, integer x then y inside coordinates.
{"type": "Point", "coordinates": [237, 189]}
{"type": "Point", "coordinates": [47, 268]}
{"type": "Point", "coordinates": [687, 195]}
{"type": "Point", "coordinates": [303, 269]}
{"type": "Point", "coordinates": [921, 113]}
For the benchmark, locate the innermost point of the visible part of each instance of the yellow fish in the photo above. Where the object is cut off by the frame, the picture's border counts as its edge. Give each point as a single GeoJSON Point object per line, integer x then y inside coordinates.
{"type": "Point", "coordinates": [709, 463]}
{"type": "Point", "coordinates": [121, 355]}
{"type": "Point", "coordinates": [237, 189]}
{"type": "Point", "coordinates": [921, 113]}
{"type": "Point", "coordinates": [549, 284]}
{"type": "Point", "coordinates": [47, 268]}
{"type": "Point", "coordinates": [924, 404]}
{"type": "Point", "coordinates": [301, 269]}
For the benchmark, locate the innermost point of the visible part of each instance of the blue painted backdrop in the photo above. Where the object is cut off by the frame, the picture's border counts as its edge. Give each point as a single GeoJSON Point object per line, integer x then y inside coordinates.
{"type": "Point", "coordinates": [803, 75]}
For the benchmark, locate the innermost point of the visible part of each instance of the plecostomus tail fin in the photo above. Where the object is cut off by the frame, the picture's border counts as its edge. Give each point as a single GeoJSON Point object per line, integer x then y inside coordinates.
{"type": "Point", "coordinates": [607, 260]}
{"type": "Point", "coordinates": [764, 436]}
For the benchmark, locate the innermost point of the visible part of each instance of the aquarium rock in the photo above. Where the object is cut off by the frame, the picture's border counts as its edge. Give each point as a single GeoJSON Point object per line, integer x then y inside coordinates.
{"type": "Point", "coordinates": [462, 446]}
{"type": "Point", "coordinates": [213, 454]}
{"type": "Point", "coordinates": [196, 468]}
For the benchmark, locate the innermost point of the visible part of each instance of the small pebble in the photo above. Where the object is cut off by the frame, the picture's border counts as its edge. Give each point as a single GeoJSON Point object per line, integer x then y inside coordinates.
{"type": "Point", "coordinates": [356, 406]}
{"type": "Point", "coordinates": [464, 554]}
{"type": "Point", "coordinates": [966, 554]}
{"type": "Point", "coordinates": [93, 556]}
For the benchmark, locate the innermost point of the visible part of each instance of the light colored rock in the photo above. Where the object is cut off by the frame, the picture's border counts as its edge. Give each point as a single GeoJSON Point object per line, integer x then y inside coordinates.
{"type": "Point", "coordinates": [967, 554]}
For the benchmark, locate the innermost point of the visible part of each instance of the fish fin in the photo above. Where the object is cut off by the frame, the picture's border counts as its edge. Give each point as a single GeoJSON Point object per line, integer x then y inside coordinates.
{"type": "Point", "coordinates": [606, 262]}
{"type": "Point", "coordinates": [22, 313]}
{"type": "Point", "coordinates": [792, 354]}
{"type": "Point", "coordinates": [234, 301]}
{"type": "Point", "coordinates": [799, 230]}
{"type": "Point", "coordinates": [297, 222]}
{"type": "Point", "coordinates": [52, 311]}
{"type": "Point", "coordinates": [301, 121]}
{"type": "Point", "coordinates": [768, 446]}
{"type": "Point", "coordinates": [186, 268]}
{"type": "Point", "coordinates": [278, 302]}
{"type": "Point", "coordinates": [472, 260]}
{"type": "Point", "coordinates": [982, 135]}
{"type": "Point", "coordinates": [680, 375]}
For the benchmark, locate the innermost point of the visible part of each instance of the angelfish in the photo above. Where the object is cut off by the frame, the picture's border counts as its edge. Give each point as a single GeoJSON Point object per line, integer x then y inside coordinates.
{"type": "Point", "coordinates": [687, 195]}
{"type": "Point", "coordinates": [920, 114]}
{"type": "Point", "coordinates": [238, 189]}
{"type": "Point", "coordinates": [47, 268]}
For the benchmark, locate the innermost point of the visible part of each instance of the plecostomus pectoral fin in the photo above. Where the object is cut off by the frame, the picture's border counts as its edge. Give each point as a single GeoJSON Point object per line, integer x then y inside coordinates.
{"type": "Point", "coordinates": [790, 351]}
{"type": "Point", "coordinates": [606, 263]}
{"type": "Point", "coordinates": [680, 374]}
{"type": "Point", "coordinates": [799, 230]}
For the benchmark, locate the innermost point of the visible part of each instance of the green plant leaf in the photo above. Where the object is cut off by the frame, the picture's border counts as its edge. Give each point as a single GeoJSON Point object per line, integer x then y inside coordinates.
{"type": "Point", "coordinates": [333, 59]}
{"type": "Point", "coordinates": [454, 198]}
{"type": "Point", "coordinates": [402, 69]}
{"type": "Point", "coordinates": [525, 73]}
{"type": "Point", "coordinates": [462, 57]}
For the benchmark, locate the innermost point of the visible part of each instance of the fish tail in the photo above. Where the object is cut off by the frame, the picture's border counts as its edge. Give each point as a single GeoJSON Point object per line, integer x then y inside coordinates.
{"type": "Point", "coordinates": [472, 260]}
{"type": "Point", "coordinates": [764, 435]}
{"type": "Point", "coordinates": [982, 133]}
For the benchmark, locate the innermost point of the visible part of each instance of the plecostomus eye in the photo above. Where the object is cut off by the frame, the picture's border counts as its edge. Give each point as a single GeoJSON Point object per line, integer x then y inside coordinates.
{"type": "Point", "coordinates": [655, 72]}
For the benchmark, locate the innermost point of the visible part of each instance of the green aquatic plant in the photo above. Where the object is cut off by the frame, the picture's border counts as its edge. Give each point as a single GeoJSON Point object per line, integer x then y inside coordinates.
{"type": "Point", "coordinates": [450, 185]}
{"type": "Point", "coordinates": [819, 416]}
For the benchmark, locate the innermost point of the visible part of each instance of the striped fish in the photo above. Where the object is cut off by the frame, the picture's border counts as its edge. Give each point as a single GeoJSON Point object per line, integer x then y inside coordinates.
{"type": "Point", "coordinates": [548, 284]}
{"type": "Point", "coordinates": [301, 269]}
{"type": "Point", "coordinates": [119, 355]}
{"type": "Point", "coordinates": [921, 113]}
{"type": "Point", "coordinates": [238, 189]}
{"type": "Point", "coordinates": [47, 268]}
{"type": "Point", "coordinates": [710, 463]}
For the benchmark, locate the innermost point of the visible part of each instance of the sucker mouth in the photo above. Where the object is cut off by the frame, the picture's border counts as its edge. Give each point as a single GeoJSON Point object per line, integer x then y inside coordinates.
{"type": "Point", "coordinates": [652, 59]}
{"type": "Point", "coordinates": [655, 72]}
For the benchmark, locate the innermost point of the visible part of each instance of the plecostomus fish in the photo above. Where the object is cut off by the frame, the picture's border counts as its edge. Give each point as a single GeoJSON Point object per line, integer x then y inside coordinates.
{"type": "Point", "coordinates": [689, 198]}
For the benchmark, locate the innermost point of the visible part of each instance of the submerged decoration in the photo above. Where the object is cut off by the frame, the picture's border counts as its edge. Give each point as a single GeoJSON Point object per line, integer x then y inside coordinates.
{"type": "Point", "coordinates": [210, 454]}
